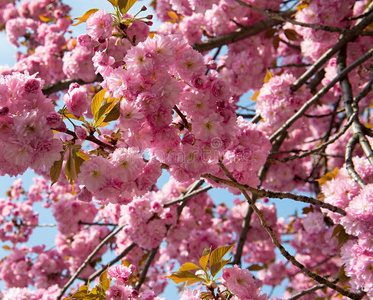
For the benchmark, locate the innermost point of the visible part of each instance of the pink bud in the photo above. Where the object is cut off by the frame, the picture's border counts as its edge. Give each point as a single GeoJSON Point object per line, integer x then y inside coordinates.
{"type": "Point", "coordinates": [80, 133]}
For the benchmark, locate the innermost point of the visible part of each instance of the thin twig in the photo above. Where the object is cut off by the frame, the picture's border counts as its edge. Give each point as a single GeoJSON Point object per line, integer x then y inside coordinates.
{"type": "Point", "coordinates": [40, 225]}
{"type": "Point", "coordinates": [321, 93]}
{"type": "Point", "coordinates": [328, 54]}
{"type": "Point", "coordinates": [307, 291]}
{"type": "Point", "coordinates": [93, 139]}
{"type": "Point", "coordinates": [240, 33]}
{"type": "Point", "coordinates": [88, 259]}
{"type": "Point", "coordinates": [144, 271]}
{"type": "Point", "coordinates": [314, 26]}
{"type": "Point", "coordinates": [288, 256]}
{"type": "Point", "coordinates": [276, 195]}
{"type": "Point", "coordinates": [321, 147]}
{"type": "Point", "coordinates": [188, 196]}
{"type": "Point", "coordinates": [112, 262]}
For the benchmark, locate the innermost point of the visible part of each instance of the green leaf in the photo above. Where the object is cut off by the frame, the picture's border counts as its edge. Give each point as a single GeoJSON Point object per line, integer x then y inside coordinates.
{"type": "Point", "coordinates": [113, 114]}
{"type": "Point", "coordinates": [328, 176]}
{"type": "Point", "coordinates": [343, 278]}
{"type": "Point", "coordinates": [269, 75]}
{"type": "Point", "coordinates": [255, 96]}
{"type": "Point", "coordinates": [185, 276]}
{"type": "Point", "coordinates": [215, 268]}
{"type": "Point", "coordinates": [106, 106]}
{"type": "Point", "coordinates": [122, 5]}
{"type": "Point", "coordinates": [125, 5]}
{"type": "Point", "coordinates": [85, 17]}
{"type": "Point", "coordinates": [189, 267]}
{"type": "Point", "coordinates": [82, 155]}
{"type": "Point", "coordinates": [70, 170]}
{"type": "Point", "coordinates": [337, 230]}
{"type": "Point", "coordinates": [173, 15]}
{"type": "Point", "coordinates": [291, 34]}
{"type": "Point", "coordinates": [342, 237]}
{"type": "Point", "coordinates": [56, 169]}
{"type": "Point", "coordinates": [96, 101]}
{"type": "Point", "coordinates": [219, 253]}
{"type": "Point", "coordinates": [69, 115]}
{"type": "Point", "coordinates": [256, 268]}
{"type": "Point", "coordinates": [78, 162]}
{"type": "Point", "coordinates": [104, 281]}
{"type": "Point", "coordinates": [113, 2]}
{"type": "Point", "coordinates": [80, 294]}
{"type": "Point", "coordinates": [203, 261]}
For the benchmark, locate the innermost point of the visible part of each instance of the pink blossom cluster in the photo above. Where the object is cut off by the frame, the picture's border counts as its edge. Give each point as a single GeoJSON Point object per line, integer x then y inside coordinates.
{"type": "Point", "coordinates": [20, 268]}
{"type": "Point", "coordinates": [70, 213]}
{"type": "Point", "coordinates": [17, 217]}
{"type": "Point", "coordinates": [242, 284]}
{"type": "Point", "coordinates": [332, 13]}
{"type": "Point", "coordinates": [146, 220]}
{"type": "Point", "coordinates": [16, 293]}
{"type": "Point", "coordinates": [276, 102]}
{"type": "Point", "coordinates": [357, 253]}
{"type": "Point", "coordinates": [41, 26]}
{"type": "Point", "coordinates": [25, 135]}
{"type": "Point", "coordinates": [75, 248]}
{"type": "Point", "coordinates": [100, 25]}
{"type": "Point", "coordinates": [146, 110]}
{"type": "Point", "coordinates": [194, 230]}
{"type": "Point", "coordinates": [117, 180]}
{"type": "Point", "coordinates": [257, 248]}
{"type": "Point", "coordinates": [123, 289]}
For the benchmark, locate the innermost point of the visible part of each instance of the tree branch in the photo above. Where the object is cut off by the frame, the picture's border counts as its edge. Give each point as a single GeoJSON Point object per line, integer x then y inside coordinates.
{"type": "Point", "coordinates": [276, 195]}
{"type": "Point", "coordinates": [112, 262]}
{"type": "Point", "coordinates": [88, 259]}
{"type": "Point", "coordinates": [314, 26]}
{"type": "Point", "coordinates": [64, 85]}
{"type": "Point", "coordinates": [291, 258]}
{"type": "Point", "coordinates": [240, 33]}
{"type": "Point", "coordinates": [328, 54]}
{"type": "Point", "coordinates": [321, 93]}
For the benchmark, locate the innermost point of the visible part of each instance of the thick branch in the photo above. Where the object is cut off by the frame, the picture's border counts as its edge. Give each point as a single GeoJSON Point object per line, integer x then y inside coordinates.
{"type": "Point", "coordinates": [64, 85]}
{"type": "Point", "coordinates": [349, 163]}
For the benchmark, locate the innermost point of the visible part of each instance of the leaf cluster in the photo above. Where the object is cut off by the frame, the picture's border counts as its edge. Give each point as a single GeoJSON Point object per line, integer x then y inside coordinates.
{"type": "Point", "coordinates": [210, 263]}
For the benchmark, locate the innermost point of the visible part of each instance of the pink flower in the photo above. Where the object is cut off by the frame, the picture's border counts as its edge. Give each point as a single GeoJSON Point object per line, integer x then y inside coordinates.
{"type": "Point", "coordinates": [94, 173]}
{"type": "Point", "coordinates": [241, 283]}
{"type": "Point", "coordinates": [80, 132]}
{"type": "Point", "coordinates": [120, 273]}
{"type": "Point", "coordinates": [128, 163]}
{"type": "Point", "coordinates": [100, 25]}
{"type": "Point", "coordinates": [118, 292]}
{"type": "Point", "coordinates": [76, 100]}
